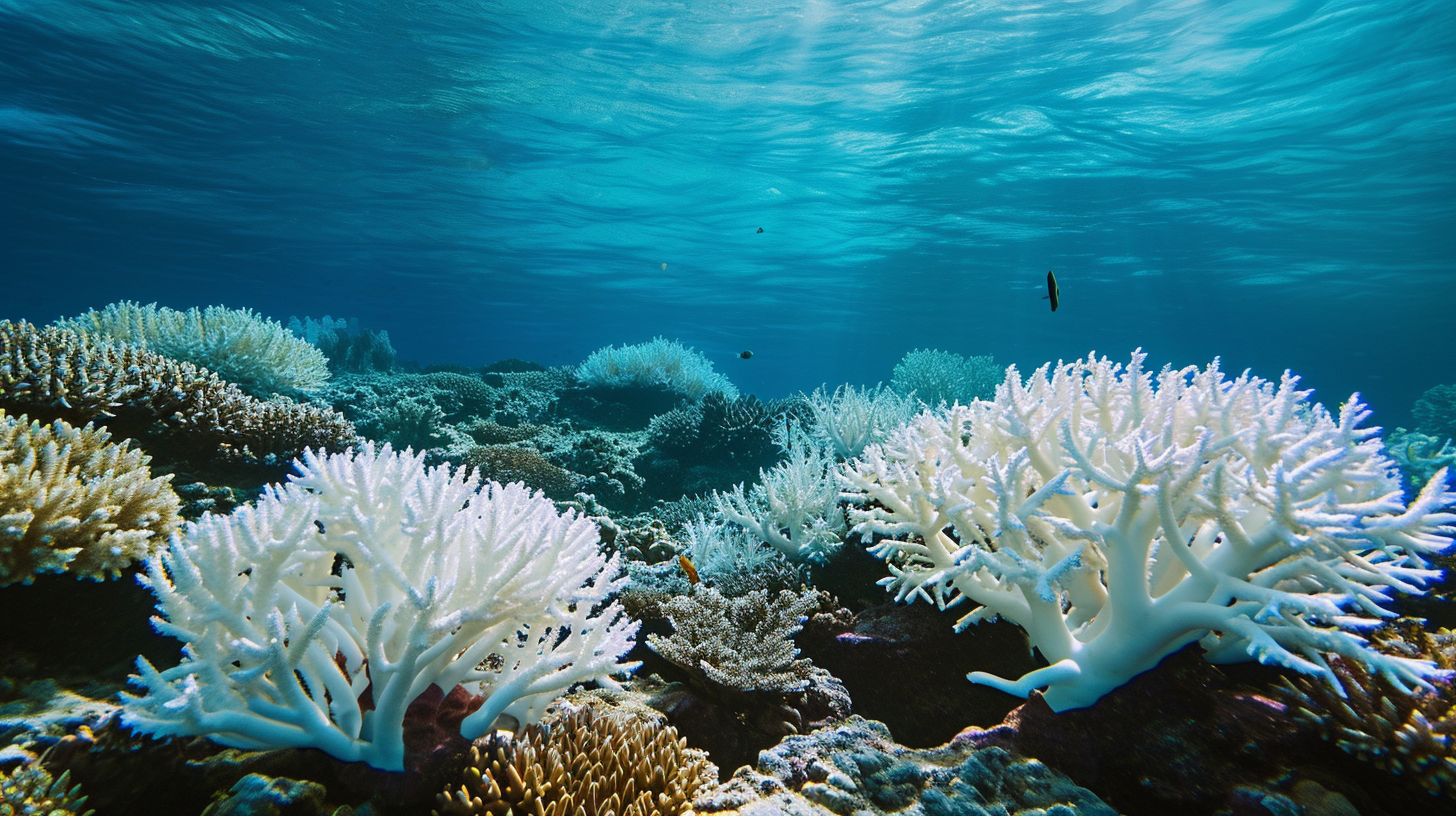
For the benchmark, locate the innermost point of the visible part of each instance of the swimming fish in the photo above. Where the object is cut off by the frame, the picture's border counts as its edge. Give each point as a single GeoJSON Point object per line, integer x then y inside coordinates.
{"type": "Point", "coordinates": [1054, 294]}
{"type": "Point", "coordinates": [688, 568]}
{"type": "Point", "coordinates": [745, 354]}
{"type": "Point", "coordinates": [760, 229]}
{"type": "Point", "coordinates": [664, 267]}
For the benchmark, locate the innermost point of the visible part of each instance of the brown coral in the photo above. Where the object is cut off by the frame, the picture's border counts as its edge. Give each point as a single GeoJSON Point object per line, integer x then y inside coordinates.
{"type": "Point", "coordinates": [70, 500]}
{"type": "Point", "coordinates": [1411, 734]}
{"type": "Point", "coordinates": [584, 764]}
{"type": "Point", "coordinates": [506, 463]}
{"type": "Point", "coordinates": [744, 643]}
{"type": "Point", "coordinates": [58, 373]}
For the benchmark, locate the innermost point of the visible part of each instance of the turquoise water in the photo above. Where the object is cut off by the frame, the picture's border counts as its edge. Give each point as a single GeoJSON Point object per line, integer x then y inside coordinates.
{"type": "Point", "coordinates": [1273, 182]}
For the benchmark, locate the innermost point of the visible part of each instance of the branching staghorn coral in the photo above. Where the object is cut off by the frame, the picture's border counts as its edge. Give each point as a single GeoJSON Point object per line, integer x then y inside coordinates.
{"type": "Point", "coordinates": [315, 617]}
{"type": "Point", "coordinates": [851, 418]}
{"type": "Point", "coordinates": [57, 373]}
{"type": "Point", "coordinates": [744, 643]}
{"type": "Point", "coordinates": [1117, 516]}
{"type": "Point", "coordinates": [795, 505]}
{"type": "Point", "coordinates": [1411, 732]}
{"type": "Point", "coordinates": [72, 501]}
{"type": "Point", "coordinates": [583, 764]}
{"type": "Point", "coordinates": [935, 376]}
{"type": "Point", "coordinates": [242, 347]}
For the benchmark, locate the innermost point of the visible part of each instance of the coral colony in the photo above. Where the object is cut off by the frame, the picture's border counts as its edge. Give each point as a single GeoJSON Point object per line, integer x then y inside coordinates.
{"type": "Point", "coordinates": [1114, 514]}
{"type": "Point", "coordinates": [1117, 516]}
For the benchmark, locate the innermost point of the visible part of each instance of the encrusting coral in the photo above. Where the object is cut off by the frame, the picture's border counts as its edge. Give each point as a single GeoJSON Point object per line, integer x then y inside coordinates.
{"type": "Point", "coordinates": [242, 347]}
{"type": "Point", "coordinates": [58, 373]}
{"type": "Point", "coordinates": [1407, 732]}
{"type": "Point", "coordinates": [583, 764]}
{"type": "Point", "coordinates": [73, 501]}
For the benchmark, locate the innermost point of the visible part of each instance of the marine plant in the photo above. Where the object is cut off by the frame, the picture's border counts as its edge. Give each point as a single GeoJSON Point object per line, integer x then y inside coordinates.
{"type": "Point", "coordinates": [315, 617]}
{"type": "Point", "coordinates": [1117, 516]}
{"type": "Point", "coordinates": [73, 501]}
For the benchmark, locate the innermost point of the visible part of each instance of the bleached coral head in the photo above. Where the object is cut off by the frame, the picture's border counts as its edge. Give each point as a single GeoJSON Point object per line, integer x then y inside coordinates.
{"type": "Point", "coordinates": [1118, 515]}
{"type": "Point", "coordinates": [372, 574]}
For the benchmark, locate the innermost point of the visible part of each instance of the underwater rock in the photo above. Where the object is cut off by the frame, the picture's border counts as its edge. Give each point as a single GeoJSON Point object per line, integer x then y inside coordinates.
{"type": "Point", "coordinates": [259, 795]}
{"type": "Point", "coordinates": [856, 768]}
{"type": "Point", "coordinates": [1186, 737]}
{"type": "Point", "coordinates": [885, 650]}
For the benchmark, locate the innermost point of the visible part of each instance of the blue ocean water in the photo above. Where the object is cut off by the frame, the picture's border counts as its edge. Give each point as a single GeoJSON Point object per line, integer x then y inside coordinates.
{"type": "Point", "coordinates": [1269, 181]}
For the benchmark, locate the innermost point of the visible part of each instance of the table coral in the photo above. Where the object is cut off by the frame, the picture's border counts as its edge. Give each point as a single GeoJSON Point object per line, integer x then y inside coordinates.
{"type": "Point", "coordinates": [73, 501]}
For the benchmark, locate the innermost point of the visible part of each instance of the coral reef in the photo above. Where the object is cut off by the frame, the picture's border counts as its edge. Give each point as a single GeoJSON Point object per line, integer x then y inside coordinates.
{"type": "Point", "coordinates": [582, 763]}
{"type": "Point", "coordinates": [1117, 516]}
{"type": "Point", "coordinates": [856, 769]}
{"type": "Point", "coordinates": [345, 344]}
{"type": "Point", "coordinates": [744, 643]}
{"type": "Point", "coordinates": [56, 373]}
{"type": "Point", "coordinates": [658, 362]}
{"type": "Point", "coordinates": [244, 348]}
{"type": "Point", "coordinates": [1419, 455]}
{"type": "Point", "coordinates": [1411, 732]}
{"type": "Point", "coordinates": [934, 377]}
{"type": "Point", "coordinates": [73, 501]}
{"type": "Point", "coordinates": [507, 463]}
{"type": "Point", "coordinates": [795, 505]}
{"type": "Point", "coordinates": [1434, 413]}
{"type": "Point", "coordinates": [851, 418]}
{"type": "Point", "coordinates": [316, 617]}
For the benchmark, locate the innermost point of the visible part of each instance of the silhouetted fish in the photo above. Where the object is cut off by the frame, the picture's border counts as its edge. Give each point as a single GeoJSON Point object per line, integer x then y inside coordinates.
{"type": "Point", "coordinates": [760, 229]}
{"type": "Point", "coordinates": [1053, 294]}
{"type": "Point", "coordinates": [745, 354]}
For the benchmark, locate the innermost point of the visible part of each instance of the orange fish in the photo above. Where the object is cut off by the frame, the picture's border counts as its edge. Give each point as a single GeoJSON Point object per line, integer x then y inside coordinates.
{"type": "Point", "coordinates": [688, 568]}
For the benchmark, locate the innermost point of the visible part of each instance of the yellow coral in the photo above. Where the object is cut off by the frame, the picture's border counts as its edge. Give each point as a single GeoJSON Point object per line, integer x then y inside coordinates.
{"type": "Point", "coordinates": [584, 764]}
{"type": "Point", "coordinates": [31, 789]}
{"type": "Point", "coordinates": [70, 500]}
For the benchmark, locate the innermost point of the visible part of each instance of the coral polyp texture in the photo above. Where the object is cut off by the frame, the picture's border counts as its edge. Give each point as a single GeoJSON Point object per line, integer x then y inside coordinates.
{"type": "Point", "coordinates": [658, 362]}
{"type": "Point", "coordinates": [1407, 732]}
{"type": "Point", "coordinates": [58, 373]}
{"type": "Point", "coordinates": [242, 347]}
{"type": "Point", "coordinates": [73, 501]}
{"type": "Point", "coordinates": [1117, 516]}
{"type": "Point", "coordinates": [583, 764]}
{"type": "Point", "coordinates": [314, 618]}
{"type": "Point", "coordinates": [744, 643]}
{"type": "Point", "coordinates": [30, 789]}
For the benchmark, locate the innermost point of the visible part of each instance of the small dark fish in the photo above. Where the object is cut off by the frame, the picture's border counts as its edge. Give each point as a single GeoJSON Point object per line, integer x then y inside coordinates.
{"type": "Point", "coordinates": [1054, 294]}
{"type": "Point", "coordinates": [745, 354]}
{"type": "Point", "coordinates": [688, 568]}
{"type": "Point", "coordinates": [760, 229]}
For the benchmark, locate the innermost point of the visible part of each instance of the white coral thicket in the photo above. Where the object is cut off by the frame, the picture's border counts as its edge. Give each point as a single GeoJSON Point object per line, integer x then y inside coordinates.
{"type": "Point", "coordinates": [1117, 516]}
{"type": "Point", "coordinates": [370, 574]}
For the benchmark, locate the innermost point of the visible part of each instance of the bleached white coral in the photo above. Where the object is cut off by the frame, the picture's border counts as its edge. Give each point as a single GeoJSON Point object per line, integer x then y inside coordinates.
{"type": "Point", "coordinates": [851, 418]}
{"type": "Point", "coordinates": [370, 574]}
{"type": "Point", "coordinates": [659, 362]}
{"type": "Point", "coordinates": [1117, 516]}
{"type": "Point", "coordinates": [795, 505]}
{"type": "Point", "coordinates": [242, 347]}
